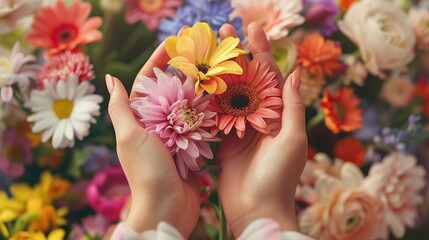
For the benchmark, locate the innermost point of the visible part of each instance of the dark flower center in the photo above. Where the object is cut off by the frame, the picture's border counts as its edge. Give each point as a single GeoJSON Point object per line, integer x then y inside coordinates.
{"type": "Point", "coordinates": [240, 101]}
{"type": "Point", "coordinates": [202, 68]}
{"type": "Point", "coordinates": [64, 33]}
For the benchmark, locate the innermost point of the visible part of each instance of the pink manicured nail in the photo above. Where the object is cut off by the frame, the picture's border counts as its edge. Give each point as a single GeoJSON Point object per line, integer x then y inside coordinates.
{"type": "Point", "coordinates": [109, 83]}
{"type": "Point", "coordinates": [296, 78]}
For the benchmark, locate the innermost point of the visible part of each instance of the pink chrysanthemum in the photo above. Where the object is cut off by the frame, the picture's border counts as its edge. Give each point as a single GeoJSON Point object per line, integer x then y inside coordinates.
{"type": "Point", "coordinates": [172, 111]}
{"type": "Point", "coordinates": [61, 66]}
{"type": "Point", "coordinates": [150, 11]}
{"type": "Point", "coordinates": [251, 97]}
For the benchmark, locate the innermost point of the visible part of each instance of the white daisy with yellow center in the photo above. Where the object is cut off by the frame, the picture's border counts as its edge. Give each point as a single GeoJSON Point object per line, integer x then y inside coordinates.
{"type": "Point", "coordinates": [64, 110]}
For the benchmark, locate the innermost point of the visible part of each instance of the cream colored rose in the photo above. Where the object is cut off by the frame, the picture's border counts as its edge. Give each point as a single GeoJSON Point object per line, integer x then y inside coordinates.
{"type": "Point", "coordinates": [382, 33]}
{"type": "Point", "coordinates": [419, 21]}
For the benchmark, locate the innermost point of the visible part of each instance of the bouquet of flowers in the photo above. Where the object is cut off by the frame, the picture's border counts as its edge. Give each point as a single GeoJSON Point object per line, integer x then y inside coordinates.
{"type": "Point", "coordinates": [364, 68]}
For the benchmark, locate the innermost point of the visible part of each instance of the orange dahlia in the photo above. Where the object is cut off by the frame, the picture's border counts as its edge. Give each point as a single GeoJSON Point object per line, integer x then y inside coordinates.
{"type": "Point", "coordinates": [318, 55]}
{"type": "Point", "coordinates": [342, 112]}
{"type": "Point", "coordinates": [350, 149]}
{"type": "Point", "coordinates": [60, 27]}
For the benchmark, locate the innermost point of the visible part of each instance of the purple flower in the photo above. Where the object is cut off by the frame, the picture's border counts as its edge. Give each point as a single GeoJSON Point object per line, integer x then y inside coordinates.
{"type": "Point", "coordinates": [100, 157]}
{"type": "Point", "coordinates": [15, 153]}
{"type": "Point", "coordinates": [321, 14]}
{"type": "Point", "coordinates": [214, 12]}
{"type": "Point", "coordinates": [92, 227]}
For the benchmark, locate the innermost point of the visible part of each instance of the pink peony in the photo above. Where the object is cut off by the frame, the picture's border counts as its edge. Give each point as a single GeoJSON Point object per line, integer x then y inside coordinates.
{"type": "Point", "coordinates": [344, 210]}
{"type": "Point", "coordinates": [275, 16]}
{"type": "Point", "coordinates": [108, 191]}
{"type": "Point", "coordinates": [64, 64]}
{"type": "Point", "coordinates": [172, 111]}
{"type": "Point", "coordinates": [397, 181]}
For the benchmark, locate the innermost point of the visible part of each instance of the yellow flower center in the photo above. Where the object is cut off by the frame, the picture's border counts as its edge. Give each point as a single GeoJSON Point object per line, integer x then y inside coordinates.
{"type": "Point", "coordinates": [151, 5]}
{"type": "Point", "coordinates": [63, 108]}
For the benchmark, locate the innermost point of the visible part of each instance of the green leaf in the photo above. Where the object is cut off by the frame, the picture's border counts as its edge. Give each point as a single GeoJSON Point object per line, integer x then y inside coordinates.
{"type": "Point", "coordinates": [77, 159]}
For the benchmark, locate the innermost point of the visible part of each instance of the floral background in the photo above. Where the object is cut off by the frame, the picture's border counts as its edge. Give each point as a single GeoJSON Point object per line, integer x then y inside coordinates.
{"type": "Point", "coordinates": [365, 85]}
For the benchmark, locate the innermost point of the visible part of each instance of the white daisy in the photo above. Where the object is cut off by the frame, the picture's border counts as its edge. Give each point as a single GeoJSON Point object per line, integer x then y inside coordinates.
{"type": "Point", "coordinates": [64, 110]}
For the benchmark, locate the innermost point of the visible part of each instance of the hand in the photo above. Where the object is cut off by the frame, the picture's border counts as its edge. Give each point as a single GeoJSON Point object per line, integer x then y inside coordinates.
{"type": "Point", "coordinates": [158, 192]}
{"type": "Point", "coordinates": [259, 173]}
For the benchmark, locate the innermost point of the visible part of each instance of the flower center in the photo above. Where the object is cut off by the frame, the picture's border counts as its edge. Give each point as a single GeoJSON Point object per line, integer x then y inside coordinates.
{"type": "Point", "coordinates": [64, 34]}
{"type": "Point", "coordinates": [352, 222]}
{"type": "Point", "coordinates": [184, 114]}
{"type": "Point", "coordinates": [339, 110]}
{"type": "Point", "coordinates": [63, 108]}
{"type": "Point", "coordinates": [151, 5]}
{"type": "Point", "coordinates": [203, 68]}
{"type": "Point", "coordinates": [239, 100]}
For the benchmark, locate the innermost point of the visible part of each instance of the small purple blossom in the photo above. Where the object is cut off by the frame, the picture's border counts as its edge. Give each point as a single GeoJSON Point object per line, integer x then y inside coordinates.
{"type": "Point", "coordinates": [15, 154]}
{"type": "Point", "coordinates": [100, 157]}
{"type": "Point", "coordinates": [321, 14]}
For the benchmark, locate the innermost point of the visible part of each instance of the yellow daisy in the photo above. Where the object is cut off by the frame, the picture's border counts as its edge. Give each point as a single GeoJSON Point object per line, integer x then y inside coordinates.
{"type": "Point", "coordinates": [196, 53]}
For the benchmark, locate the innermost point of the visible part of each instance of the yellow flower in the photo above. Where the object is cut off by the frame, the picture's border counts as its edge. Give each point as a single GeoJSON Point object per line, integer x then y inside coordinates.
{"type": "Point", "coordinates": [196, 53]}
{"type": "Point", "coordinates": [9, 211]}
{"type": "Point", "coordinates": [57, 234]}
{"type": "Point", "coordinates": [53, 187]}
{"type": "Point", "coordinates": [46, 216]}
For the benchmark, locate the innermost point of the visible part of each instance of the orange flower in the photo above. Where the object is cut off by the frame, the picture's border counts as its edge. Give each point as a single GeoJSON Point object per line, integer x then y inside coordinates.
{"type": "Point", "coordinates": [318, 55]}
{"type": "Point", "coordinates": [350, 149]}
{"type": "Point", "coordinates": [345, 4]}
{"type": "Point", "coordinates": [422, 91]}
{"type": "Point", "coordinates": [60, 28]}
{"type": "Point", "coordinates": [341, 110]}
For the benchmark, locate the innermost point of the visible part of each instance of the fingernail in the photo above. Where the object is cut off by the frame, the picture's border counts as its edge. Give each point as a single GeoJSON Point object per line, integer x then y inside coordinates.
{"type": "Point", "coordinates": [296, 78]}
{"type": "Point", "coordinates": [109, 83]}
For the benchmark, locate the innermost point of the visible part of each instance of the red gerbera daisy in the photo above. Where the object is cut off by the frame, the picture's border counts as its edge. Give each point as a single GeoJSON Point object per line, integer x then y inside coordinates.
{"type": "Point", "coordinates": [342, 112]}
{"type": "Point", "coordinates": [251, 97]}
{"type": "Point", "coordinates": [60, 27]}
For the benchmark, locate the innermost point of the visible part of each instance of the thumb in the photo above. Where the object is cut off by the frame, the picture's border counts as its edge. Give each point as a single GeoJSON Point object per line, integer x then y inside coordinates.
{"type": "Point", "coordinates": [120, 110]}
{"type": "Point", "coordinates": [293, 116]}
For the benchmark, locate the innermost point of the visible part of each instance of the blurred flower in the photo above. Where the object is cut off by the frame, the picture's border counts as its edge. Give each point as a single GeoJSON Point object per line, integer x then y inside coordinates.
{"type": "Point", "coordinates": [100, 157]}
{"type": "Point", "coordinates": [15, 154]}
{"type": "Point", "coordinates": [64, 110]}
{"type": "Point", "coordinates": [342, 112]}
{"type": "Point", "coordinates": [310, 88]}
{"type": "Point", "coordinates": [397, 91]}
{"type": "Point", "coordinates": [75, 197]}
{"type": "Point", "coordinates": [284, 52]}
{"type": "Point", "coordinates": [62, 65]}
{"type": "Point", "coordinates": [370, 123]}
{"type": "Point", "coordinates": [12, 11]}
{"type": "Point", "coordinates": [53, 187]}
{"type": "Point", "coordinates": [392, 43]}
{"type": "Point", "coordinates": [150, 11]}
{"type": "Point", "coordinates": [111, 5]}
{"type": "Point", "coordinates": [46, 216]}
{"type": "Point", "coordinates": [93, 227]}
{"type": "Point", "coordinates": [356, 72]}
{"type": "Point", "coordinates": [52, 159]}
{"type": "Point", "coordinates": [345, 4]}
{"type": "Point", "coordinates": [60, 28]}
{"type": "Point", "coordinates": [419, 21]}
{"type": "Point", "coordinates": [213, 12]}
{"type": "Point", "coordinates": [397, 181]}
{"type": "Point", "coordinates": [173, 111]}
{"type": "Point", "coordinates": [350, 149]}
{"type": "Point", "coordinates": [275, 16]}
{"type": "Point", "coordinates": [57, 234]}
{"type": "Point", "coordinates": [196, 53]}
{"type": "Point", "coordinates": [318, 55]}
{"type": "Point", "coordinates": [422, 91]}
{"type": "Point", "coordinates": [321, 14]}
{"type": "Point", "coordinates": [207, 186]}
{"type": "Point", "coordinates": [9, 211]}
{"type": "Point", "coordinates": [108, 192]}
{"type": "Point", "coordinates": [251, 97]}
{"type": "Point", "coordinates": [14, 70]}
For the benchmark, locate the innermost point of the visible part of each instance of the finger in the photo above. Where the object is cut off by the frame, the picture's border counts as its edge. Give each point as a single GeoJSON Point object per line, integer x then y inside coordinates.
{"type": "Point", "coordinates": [120, 111]}
{"type": "Point", "coordinates": [159, 59]}
{"type": "Point", "coordinates": [227, 30]}
{"type": "Point", "coordinates": [260, 48]}
{"type": "Point", "coordinates": [293, 116]}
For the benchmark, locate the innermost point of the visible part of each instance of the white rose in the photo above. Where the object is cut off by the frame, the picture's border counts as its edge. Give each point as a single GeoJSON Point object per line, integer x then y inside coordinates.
{"type": "Point", "coordinates": [381, 31]}
{"type": "Point", "coordinates": [419, 20]}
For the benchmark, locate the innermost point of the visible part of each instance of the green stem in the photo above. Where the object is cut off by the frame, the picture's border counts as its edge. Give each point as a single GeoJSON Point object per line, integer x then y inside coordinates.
{"type": "Point", "coordinates": [223, 226]}
{"type": "Point", "coordinates": [316, 120]}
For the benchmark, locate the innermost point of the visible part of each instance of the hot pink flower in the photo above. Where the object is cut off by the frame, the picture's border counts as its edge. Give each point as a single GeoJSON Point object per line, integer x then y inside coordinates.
{"type": "Point", "coordinates": [172, 111]}
{"type": "Point", "coordinates": [150, 11]}
{"type": "Point", "coordinates": [108, 192]}
{"type": "Point", "coordinates": [397, 181]}
{"type": "Point", "coordinates": [62, 65]}
{"type": "Point", "coordinates": [251, 97]}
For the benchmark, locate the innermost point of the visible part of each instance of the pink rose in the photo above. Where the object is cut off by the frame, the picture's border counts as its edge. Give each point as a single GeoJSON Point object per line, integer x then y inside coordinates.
{"type": "Point", "coordinates": [108, 192]}
{"type": "Point", "coordinates": [397, 181]}
{"type": "Point", "coordinates": [382, 33]}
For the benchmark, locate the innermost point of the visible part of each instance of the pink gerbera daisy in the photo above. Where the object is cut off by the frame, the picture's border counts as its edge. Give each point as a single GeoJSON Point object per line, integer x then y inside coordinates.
{"type": "Point", "coordinates": [62, 65]}
{"type": "Point", "coordinates": [172, 111]}
{"type": "Point", "coordinates": [150, 11]}
{"type": "Point", "coordinates": [60, 27]}
{"type": "Point", "coordinates": [251, 97]}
